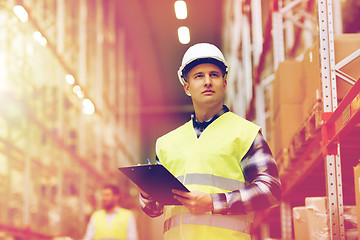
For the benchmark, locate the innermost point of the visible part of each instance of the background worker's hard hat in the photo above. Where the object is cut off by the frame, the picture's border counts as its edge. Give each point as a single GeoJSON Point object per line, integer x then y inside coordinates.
{"type": "Point", "coordinates": [202, 53]}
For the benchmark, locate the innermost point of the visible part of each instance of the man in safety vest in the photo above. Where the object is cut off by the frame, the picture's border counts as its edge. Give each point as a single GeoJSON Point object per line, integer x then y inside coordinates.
{"type": "Point", "coordinates": [111, 222]}
{"type": "Point", "coordinates": [220, 157]}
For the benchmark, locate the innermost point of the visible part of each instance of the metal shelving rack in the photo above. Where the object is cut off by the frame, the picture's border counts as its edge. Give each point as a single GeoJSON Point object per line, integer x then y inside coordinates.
{"type": "Point", "coordinates": [334, 128]}
{"type": "Point", "coordinates": [54, 158]}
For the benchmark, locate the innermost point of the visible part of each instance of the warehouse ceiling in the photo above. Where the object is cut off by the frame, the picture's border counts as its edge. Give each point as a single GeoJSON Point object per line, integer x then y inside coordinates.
{"type": "Point", "coordinates": [151, 33]}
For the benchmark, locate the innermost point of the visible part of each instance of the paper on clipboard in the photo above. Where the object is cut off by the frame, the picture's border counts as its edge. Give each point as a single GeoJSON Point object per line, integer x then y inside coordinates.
{"type": "Point", "coordinates": [156, 181]}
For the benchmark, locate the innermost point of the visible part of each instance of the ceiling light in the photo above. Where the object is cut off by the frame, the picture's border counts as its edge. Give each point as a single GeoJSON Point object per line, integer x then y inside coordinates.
{"type": "Point", "coordinates": [70, 79]}
{"type": "Point", "coordinates": [88, 107]}
{"type": "Point", "coordinates": [184, 35]}
{"type": "Point", "coordinates": [76, 89]}
{"type": "Point", "coordinates": [39, 38]}
{"type": "Point", "coordinates": [21, 13]}
{"type": "Point", "coordinates": [180, 9]}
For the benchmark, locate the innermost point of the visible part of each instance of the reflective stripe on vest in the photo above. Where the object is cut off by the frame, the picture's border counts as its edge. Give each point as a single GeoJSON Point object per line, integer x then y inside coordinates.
{"type": "Point", "coordinates": [211, 180]}
{"type": "Point", "coordinates": [238, 223]}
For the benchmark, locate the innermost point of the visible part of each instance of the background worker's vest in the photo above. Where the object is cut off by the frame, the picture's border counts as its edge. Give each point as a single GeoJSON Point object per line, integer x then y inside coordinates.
{"type": "Point", "coordinates": [210, 164]}
{"type": "Point", "coordinates": [116, 230]}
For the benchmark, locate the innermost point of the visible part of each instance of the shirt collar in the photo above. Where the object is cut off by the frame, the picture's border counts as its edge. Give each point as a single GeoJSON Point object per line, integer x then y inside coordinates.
{"type": "Point", "coordinates": [204, 124]}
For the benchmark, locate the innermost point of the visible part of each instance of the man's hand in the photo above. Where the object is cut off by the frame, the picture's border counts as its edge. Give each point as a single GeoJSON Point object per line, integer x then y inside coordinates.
{"type": "Point", "coordinates": [144, 194]}
{"type": "Point", "coordinates": [197, 202]}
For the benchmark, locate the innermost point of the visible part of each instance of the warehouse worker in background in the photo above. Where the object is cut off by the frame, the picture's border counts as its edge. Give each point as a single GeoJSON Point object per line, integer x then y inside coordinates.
{"type": "Point", "coordinates": [220, 157]}
{"type": "Point", "coordinates": [111, 222]}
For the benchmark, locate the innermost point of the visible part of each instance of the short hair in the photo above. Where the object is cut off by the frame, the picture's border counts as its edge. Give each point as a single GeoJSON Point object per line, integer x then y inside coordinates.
{"type": "Point", "coordinates": [115, 190]}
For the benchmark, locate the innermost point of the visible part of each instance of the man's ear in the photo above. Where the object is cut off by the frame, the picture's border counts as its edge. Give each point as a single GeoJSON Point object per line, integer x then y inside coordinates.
{"type": "Point", "coordinates": [225, 84]}
{"type": "Point", "coordinates": [186, 88]}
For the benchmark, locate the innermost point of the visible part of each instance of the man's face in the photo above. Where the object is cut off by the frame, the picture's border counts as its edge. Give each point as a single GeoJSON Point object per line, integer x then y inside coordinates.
{"type": "Point", "coordinates": [205, 84]}
{"type": "Point", "coordinates": [109, 199]}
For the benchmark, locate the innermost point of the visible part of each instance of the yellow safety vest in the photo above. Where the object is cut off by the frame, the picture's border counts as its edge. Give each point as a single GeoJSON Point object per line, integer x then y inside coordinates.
{"type": "Point", "coordinates": [118, 227]}
{"type": "Point", "coordinates": [210, 163]}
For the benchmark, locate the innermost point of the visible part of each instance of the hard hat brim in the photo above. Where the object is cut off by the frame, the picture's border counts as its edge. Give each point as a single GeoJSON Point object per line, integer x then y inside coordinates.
{"type": "Point", "coordinates": [185, 68]}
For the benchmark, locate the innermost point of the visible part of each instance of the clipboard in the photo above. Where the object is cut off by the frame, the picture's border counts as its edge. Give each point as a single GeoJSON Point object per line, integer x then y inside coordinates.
{"type": "Point", "coordinates": [155, 180]}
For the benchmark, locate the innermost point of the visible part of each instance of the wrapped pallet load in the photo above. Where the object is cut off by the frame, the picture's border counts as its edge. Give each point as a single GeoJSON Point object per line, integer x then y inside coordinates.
{"type": "Point", "coordinates": [317, 217]}
{"type": "Point", "coordinates": [350, 223]}
{"type": "Point", "coordinates": [317, 214]}
{"type": "Point", "coordinates": [300, 221]}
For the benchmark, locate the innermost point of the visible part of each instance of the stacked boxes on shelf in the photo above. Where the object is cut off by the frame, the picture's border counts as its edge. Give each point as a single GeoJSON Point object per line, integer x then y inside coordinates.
{"type": "Point", "coordinates": [287, 110]}
{"type": "Point", "coordinates": [312, 84]}
{"type": "Point", "coordinates": [312, 221]}
{"type": "Point", "coordinates": [297, 110]}
{"type": "Point", "coordinates": [344, 45]}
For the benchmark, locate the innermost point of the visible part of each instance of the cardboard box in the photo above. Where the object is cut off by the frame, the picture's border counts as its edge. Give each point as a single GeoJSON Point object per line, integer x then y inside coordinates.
{"type": "Point", "coordinates": [357, 195]}
{"type": "Point", "coordinates": [350, 223]}
{"type": "Point", "coordinates": [300, 221]}
{"type": "Point", "coordinates": [317, 215]}
{"type": "Point", "coordinates": [287, 121]}
{"type": "Point", "coordinates": [344, 45]}
{"type": "Point", "coordinates": [288, 84]}
{"type": "Point", "coordinates": [312, 78]}
{"type": "Point", "coordinates": [314, 216]}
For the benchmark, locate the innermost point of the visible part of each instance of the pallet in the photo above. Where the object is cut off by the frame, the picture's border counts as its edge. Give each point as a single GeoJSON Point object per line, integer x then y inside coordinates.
{"type": "Point", "coordinates": [307, 131]}
{"type": "Point", "coordinates": [283, 161]}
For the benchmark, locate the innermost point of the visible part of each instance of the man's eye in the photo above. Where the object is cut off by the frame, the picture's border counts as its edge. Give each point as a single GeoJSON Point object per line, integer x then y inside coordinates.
{"type": "Point", "coordinates": [214, 75]}
{"type": "Point", "coordinates": [198, 76]}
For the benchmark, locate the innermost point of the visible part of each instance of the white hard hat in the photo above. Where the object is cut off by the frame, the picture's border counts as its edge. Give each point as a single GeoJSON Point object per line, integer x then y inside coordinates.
{"type": "Point", "coordinates": [202, 53]}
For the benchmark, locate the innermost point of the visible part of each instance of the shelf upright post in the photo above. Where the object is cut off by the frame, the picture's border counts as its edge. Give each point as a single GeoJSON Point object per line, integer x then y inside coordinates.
{"type": "Point", "coordinates": [60, 48]}
{"type": "Point", "coordinates": [247, 64]}
{"type": "Point", "coordinates": [83, 72]}
{"type": "Point", "coordinates": [264, 231]}
{"type": "Point", "coordinates": [257, 48]}
{"type": "Point", "coordinates": [27, 180]}
{"type": "Point", "coordinates": [278, 35]}
{"type": "Point", "coordinates": [279, 56]}
{"type": "Point", "coordinates": [257, 32]}
{"type": "Point", "coordinates": [286, 230]}
{"type": "Point", "coordinates": [82, 196]}
{"type": "Point", "coordinates": [329, 95]}
{"type": "Point", "coordinates": [99, 88]}
{"type": "Point", "coordinates": [81, 143]}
